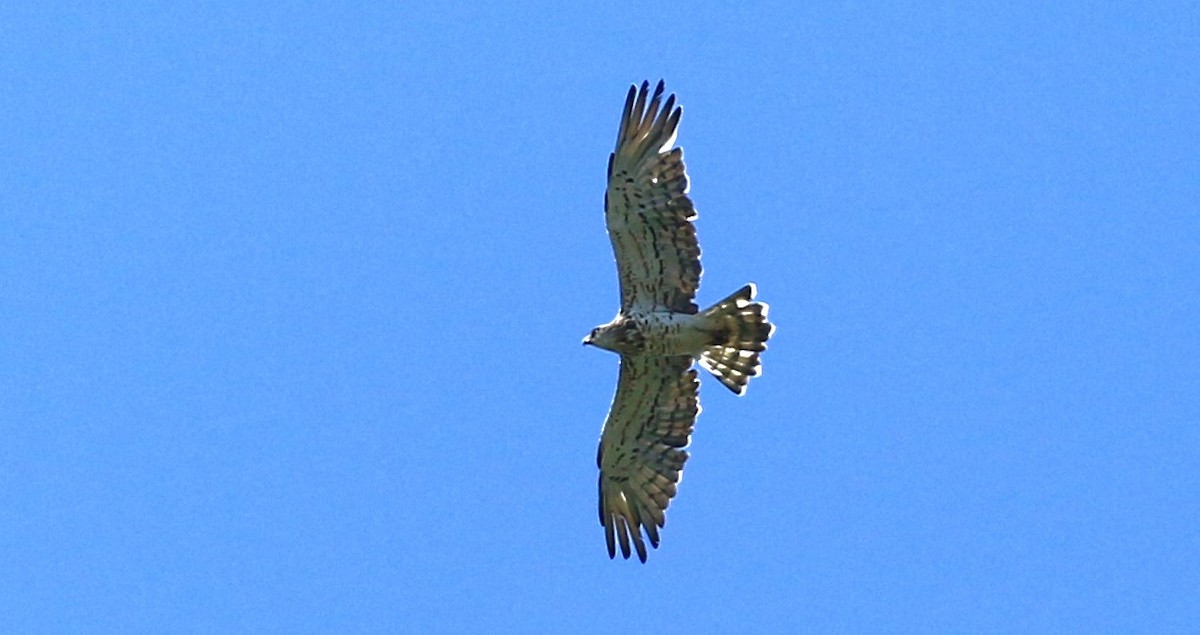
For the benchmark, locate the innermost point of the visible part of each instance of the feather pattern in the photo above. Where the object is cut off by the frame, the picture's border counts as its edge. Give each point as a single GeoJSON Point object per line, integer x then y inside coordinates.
{"type": "Point", "coordinates": [647, 208]}
{"type": "Point", "coordinates": [659, 332]}
{"type": "Point", "coordinates": [641, 452]}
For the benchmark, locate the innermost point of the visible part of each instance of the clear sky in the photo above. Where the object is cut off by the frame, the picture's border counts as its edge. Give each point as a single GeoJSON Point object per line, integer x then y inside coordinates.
{"type": "Point", "coordinates": [291, 302]}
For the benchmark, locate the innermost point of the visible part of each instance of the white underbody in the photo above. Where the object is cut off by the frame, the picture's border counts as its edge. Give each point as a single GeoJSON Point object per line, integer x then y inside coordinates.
{"type": "Point", "coordinates": [661, 333]}
{"type": "Point", "coordinates": [670, 333]}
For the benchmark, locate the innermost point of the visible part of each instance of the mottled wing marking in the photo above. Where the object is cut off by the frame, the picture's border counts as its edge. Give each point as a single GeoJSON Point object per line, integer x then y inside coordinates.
{"type": "Point", "coordinates": [647, 208]}
{"type": "Point", "coordinates": [641, 452]}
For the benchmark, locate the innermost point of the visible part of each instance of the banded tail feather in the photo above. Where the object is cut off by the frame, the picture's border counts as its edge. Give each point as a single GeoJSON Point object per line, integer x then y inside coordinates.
{"type": "Point", "coordinates": [740, 332]}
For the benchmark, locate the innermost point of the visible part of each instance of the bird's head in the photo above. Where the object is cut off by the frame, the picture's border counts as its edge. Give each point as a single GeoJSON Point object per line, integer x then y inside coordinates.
{"type": "Point", "coordinates": [620, 336]}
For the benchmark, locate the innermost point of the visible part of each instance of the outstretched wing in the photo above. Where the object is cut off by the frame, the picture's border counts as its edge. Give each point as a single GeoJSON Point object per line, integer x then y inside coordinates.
{"type": "Point", "coordinates": [647, 208]}
{"type": "Point", "coordinates": [641, 452]}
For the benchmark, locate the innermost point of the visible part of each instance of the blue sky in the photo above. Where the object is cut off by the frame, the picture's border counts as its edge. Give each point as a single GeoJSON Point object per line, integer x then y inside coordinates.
{"type": "Point", "coordinates": [291, 301]}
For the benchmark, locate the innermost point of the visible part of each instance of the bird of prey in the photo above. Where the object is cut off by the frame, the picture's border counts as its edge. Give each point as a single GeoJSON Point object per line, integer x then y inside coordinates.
{"type": "Point", "coordinates": [659, 331]}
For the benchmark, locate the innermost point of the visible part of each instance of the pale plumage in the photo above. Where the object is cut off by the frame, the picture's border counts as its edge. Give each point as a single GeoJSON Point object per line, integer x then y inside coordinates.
{"type": "Point", "coordinates": [648, 211]}
{"type": "Point", "coordinates": [659, 331]}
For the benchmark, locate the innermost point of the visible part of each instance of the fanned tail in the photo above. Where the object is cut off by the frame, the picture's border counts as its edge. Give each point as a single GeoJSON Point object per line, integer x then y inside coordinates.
{"type": "Point", "coordinates": [740, 331]}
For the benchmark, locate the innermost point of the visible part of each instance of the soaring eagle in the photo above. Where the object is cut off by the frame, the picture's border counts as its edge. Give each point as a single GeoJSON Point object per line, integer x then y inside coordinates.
{"type": "Point", "coordinates": [659, 331]}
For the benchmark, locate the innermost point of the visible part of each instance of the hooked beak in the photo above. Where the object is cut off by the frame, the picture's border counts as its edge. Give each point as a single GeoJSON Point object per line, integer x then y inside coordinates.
{"type": "Point", "coordinates": [587, 340]}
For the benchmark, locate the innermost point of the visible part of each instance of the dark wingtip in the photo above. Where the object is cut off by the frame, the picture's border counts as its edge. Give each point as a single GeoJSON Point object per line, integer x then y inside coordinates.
{"type": "Point", "coordinates": [669, 105]}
